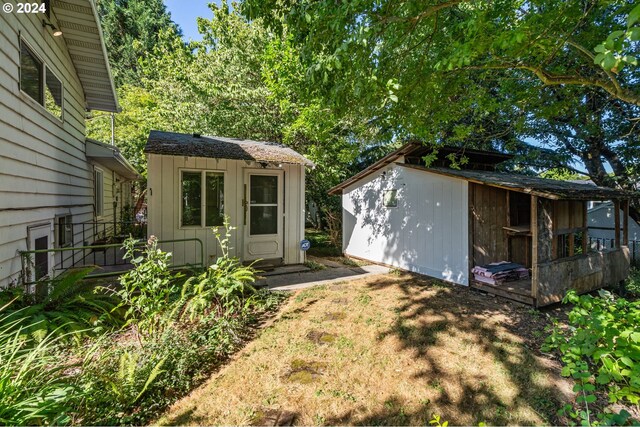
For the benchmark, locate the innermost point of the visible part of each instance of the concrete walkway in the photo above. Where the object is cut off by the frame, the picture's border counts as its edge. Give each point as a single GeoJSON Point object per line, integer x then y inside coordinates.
{"type": "Point", "coordinates": [306, 279]}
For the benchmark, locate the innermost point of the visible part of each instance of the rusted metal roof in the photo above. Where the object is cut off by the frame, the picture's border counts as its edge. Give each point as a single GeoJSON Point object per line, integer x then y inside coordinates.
{"type": "Point", "coordinates": [549, 188]}
{"type": "Point", "coordinates": [193, 145]}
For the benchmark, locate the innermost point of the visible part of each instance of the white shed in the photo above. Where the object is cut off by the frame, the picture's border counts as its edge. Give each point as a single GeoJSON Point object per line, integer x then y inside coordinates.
{"type": "Point", "coordinates": [194, 181]}
{"type": "Point", "coordinates": [442, 221]}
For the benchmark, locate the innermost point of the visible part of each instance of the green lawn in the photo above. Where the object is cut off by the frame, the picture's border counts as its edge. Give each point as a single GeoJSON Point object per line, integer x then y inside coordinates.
{"type": "Point", "coordinates": [392, 349]}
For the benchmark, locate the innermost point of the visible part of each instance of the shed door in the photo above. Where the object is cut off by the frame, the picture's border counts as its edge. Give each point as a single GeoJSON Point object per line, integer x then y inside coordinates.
{"type": "Point", "coordinates": [263, 204]}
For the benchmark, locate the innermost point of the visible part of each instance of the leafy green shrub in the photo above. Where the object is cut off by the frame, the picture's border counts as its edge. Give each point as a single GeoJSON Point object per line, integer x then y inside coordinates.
{"type": "Point", "coordinates": [223, 286]}
{"type": "Point", "coordinates": [601, 350]}
{"type": "Point", "coordinates": [33, 387]}
{"type": "Point", "coordinates": [148, 289]}
{"type": "Point", "coordinates": [127, 381]}
{"type": "Point", "coordinates": [632, 284]}
{"type": "Point", "coordinates": [71, 308]}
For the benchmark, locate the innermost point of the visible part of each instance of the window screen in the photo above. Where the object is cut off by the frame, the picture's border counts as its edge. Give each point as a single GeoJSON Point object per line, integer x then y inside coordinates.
{"type": "Point", "coordinates": [30, 73]}
{"type": "Point", "coordinates": [214, 198]}
{"type": "Point", "coordinates": [53, 94]}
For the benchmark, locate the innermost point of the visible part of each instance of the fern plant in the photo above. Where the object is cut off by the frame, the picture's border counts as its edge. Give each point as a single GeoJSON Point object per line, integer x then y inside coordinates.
{"type": "Point", "coordinates": [71, 309]}
{"type": "Point", "coordinates": [33, 389]}
{"type": "Point", "coordinates": [222, 286]}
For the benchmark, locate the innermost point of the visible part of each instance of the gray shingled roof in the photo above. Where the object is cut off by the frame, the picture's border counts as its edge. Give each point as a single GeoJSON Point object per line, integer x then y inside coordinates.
{"type": "Point", "coordinates": [550, 188]}
{"type": "Point", "coordinates": [181, 144]}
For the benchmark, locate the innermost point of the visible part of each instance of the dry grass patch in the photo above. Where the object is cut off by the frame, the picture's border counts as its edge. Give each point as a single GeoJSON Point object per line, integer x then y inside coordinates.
{"type": "Point", "coordinates": [402, 348]}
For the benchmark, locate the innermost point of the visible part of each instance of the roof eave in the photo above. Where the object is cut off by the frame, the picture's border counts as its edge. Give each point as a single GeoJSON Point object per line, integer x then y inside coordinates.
{"type": "Point", "coordinates": [532, 191]}
{"type": "Point", "coordinates": [111, 157]}
{"type": "Point", "coordinates": [386, 160]}
{"type": "Point", "coordinates": [82, 32]}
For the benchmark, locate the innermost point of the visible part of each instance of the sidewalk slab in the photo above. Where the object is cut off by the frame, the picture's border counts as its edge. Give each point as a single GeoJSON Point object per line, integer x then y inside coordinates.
{"type": "Point", "coordinates": [295, 281]}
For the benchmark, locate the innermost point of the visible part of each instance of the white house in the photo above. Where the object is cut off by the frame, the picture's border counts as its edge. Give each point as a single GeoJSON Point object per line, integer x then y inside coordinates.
{"type": "Point", "coordinates": [53, 68]}
{"type": "Point", "coordinates": [194, 181]}
{"type": "Point", "coordinates": [441, 222]}
{"type": "Point", "coordinates": [602, 224]}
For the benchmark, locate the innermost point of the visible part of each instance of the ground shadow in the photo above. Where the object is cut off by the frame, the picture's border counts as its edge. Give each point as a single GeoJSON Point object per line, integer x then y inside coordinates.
{"type": "Point", "coordinates": [454, 310]}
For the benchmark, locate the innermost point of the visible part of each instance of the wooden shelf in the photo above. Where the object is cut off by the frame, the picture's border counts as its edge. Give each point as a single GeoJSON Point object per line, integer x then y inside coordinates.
{"type": "Point", "coordinates": [523, 230]}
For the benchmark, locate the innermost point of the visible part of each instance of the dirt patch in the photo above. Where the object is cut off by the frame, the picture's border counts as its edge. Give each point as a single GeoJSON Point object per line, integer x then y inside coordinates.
{"type": "Point", "coordinates": [408, 347]}
{"type": "Point", "coordinates": [335, 315]}
{"type": "Point", "coordinates": [320, 338]}
{"type": "Point", "coordinates": [304, 372]}
{"type": "Point", "coordinates": [273, 417]}
{"type": "Point", "coordinates": [340, 301]}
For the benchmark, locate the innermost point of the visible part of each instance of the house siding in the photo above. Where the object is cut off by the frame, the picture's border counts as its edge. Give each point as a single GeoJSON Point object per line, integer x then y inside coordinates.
{"type": "Point", "coordinates": [426, 233]}
{"type": "Point", "coordinates": [163, 201]}
{"type": "Point", "coordinates": [44, 171]}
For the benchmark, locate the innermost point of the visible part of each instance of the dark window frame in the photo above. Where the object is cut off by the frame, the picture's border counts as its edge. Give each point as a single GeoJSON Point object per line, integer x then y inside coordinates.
{"type": "Point", "coordinates": [64, 237]}
{"type": "Point", "coordinates": [98, 195]}
{"type": "Point", "coordinates": [44, 72]}
{"type": "Point", "coordinates": [203, 198]}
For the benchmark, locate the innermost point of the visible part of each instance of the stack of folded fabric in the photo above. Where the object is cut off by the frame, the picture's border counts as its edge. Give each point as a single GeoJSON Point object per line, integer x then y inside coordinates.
{"type": "Point", "coordinates": [499, 272]}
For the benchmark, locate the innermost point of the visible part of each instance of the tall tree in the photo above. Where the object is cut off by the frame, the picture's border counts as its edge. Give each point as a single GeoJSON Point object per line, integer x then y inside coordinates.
{"type": "Point", "coordinates": [131, 29]}
{"type": "Point", "coordinates": [502, 73]}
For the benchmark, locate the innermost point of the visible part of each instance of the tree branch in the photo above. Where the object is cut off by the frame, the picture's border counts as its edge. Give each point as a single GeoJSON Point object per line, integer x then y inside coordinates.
{"type": "Point", "coordinates": [424, 14]}
{"type": "Point", "coordinates": [554, 80]}
{"type": "Point", "coordinates": [591, 57]}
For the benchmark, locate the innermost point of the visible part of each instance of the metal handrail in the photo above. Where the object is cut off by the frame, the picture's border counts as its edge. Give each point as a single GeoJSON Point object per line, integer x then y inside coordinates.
{"type": "Point", "coordinates": [26, 255]}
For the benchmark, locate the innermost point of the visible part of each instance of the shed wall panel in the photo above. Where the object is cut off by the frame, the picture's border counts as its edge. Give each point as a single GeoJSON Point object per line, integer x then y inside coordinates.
{"type": "Point", "coordinates": [426, 233]}
{"type": "Point", "coordinates": [489, 211]}
{"type": "Point", "coordinates": [164, 207]}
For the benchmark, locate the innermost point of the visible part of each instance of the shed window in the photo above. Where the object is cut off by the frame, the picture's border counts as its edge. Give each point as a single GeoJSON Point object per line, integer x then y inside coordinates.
{"type": "Point", "coordinates": [39, 82]}
{"type": "Point", "coordinates": [202, 198]}
{"type": "Point", "coordinates": [390, 198]}
{"type": "Point", "coordinates": [98, 191]}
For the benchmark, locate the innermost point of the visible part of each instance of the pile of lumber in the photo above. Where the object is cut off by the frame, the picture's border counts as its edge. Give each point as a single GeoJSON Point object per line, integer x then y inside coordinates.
{"type": "Point", "coordinates": [497, 273]}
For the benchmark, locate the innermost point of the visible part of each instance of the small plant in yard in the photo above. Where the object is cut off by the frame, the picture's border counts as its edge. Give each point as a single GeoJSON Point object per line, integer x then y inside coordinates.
{"type": "Point", "coordinates": [436, 421]}
{"type": "Point", "coordinates": [600, 350]}
{"type": "Point", "coordinates": [146, 290]}
{"type": "Point", "coordinates": [222, 286]}
{"type": "Point", "coordinates": [314, 265]}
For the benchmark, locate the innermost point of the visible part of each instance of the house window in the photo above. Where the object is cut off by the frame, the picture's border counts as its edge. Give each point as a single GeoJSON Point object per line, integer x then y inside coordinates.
{"type": "Point", "coordinates": [31, 72]}
{"type": "Point", "coordinates": [98, 191]}
{"type": "Point", "coordinates": [53, 94]}
{"type": "Point", "coordinates": [390, 198]}
{"type": "Point", "coordinates": [39, 82]}
{"type": "Point", "coordinates": [202, 198]}
{"type": "Point", "coordinates": [64, 232]}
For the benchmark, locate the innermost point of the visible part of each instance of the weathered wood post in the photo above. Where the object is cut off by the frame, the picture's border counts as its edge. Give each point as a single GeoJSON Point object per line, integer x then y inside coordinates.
{"type": "Point", "coordinates": [542, 242]}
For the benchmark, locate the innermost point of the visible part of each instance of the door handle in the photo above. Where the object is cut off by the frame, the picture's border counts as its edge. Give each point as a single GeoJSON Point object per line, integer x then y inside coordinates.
{"type": "Point", "coordinates": [245, 205]}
